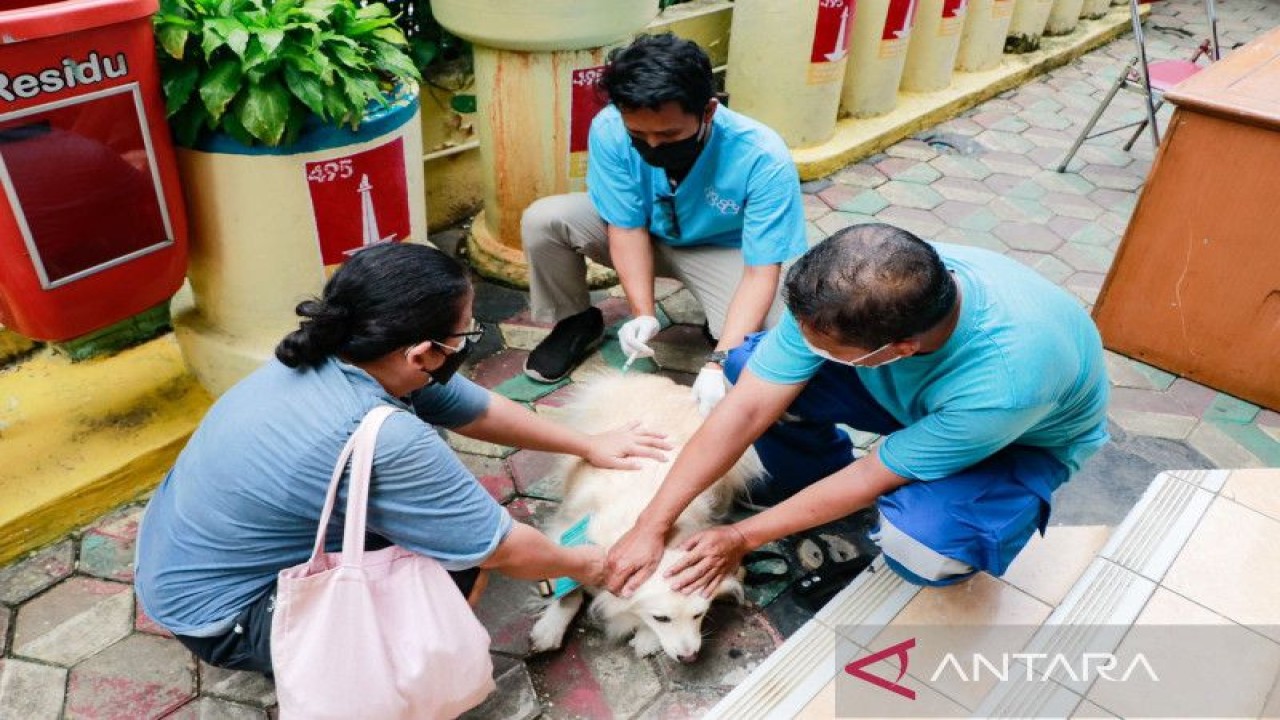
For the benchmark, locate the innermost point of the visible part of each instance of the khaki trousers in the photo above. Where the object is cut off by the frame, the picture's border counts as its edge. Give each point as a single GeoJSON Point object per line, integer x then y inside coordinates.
{"type": "Point", "coordinates": [560, 231]}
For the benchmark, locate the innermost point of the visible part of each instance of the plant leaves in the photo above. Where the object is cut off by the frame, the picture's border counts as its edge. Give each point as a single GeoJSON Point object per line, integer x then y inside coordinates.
{"type": "Point", "coordinates": [173, 38]}
{"type": "Point", "coordinates": [270, 38]}
{"type": "Point", "coordinates": [319, 10]}
{"type": "Point", "coordinates": [265, 110]}
{"type": "Point", "coordinates": [391, 59]}
{"type": "Point", "coordinates": [232, 126]}
{"type": "Point", "coordinates": [392, 35]}
{"type": "Point", "coordinates": [307, 88]}
{"type": "Point", "coordinates": [179, 82]}
{"type": "Point", "coordinates": [349, 57]}
{"type": "Point", "coordinates": [373, 10]}
{"type": "Point", "coordinates": [188, 124]}
{"type": "Point", "coordinates": [219, 86]}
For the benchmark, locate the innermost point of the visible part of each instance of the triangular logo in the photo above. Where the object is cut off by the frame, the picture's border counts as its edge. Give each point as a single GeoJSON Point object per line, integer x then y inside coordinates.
{"type": "Point", "coordinates": [900, 651]}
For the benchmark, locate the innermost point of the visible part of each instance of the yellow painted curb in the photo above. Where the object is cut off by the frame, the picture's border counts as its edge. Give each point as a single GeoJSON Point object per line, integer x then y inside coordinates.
{"type": "Point", "coordinates": [858, 138]}
{"type": "Point", "coordinates": [79, 439]}
{"type": "Point", "coordinates": [13, 345]}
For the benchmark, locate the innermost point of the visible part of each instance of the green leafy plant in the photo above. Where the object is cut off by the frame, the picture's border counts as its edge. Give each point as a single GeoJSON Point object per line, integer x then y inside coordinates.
{"type": "Point", "coordinates": [257, 69]}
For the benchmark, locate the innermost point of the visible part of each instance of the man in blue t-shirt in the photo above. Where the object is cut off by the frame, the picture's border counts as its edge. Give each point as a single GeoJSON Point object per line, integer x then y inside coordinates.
{"type": "Point", "coordinates": [986, 381]}
{"type": "Point", "coordinates": [677, 185]}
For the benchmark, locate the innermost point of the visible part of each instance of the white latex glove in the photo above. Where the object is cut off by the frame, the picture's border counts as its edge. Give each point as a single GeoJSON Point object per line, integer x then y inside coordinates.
{"type": "Point", "coordinates": [635, 334]}
{"type": "Point", "coordinates": [708, 389]}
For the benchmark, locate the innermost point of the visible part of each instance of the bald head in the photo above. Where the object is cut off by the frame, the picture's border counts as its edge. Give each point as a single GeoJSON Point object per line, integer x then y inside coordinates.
{"type": "Point", "coordinates": [869, 285]}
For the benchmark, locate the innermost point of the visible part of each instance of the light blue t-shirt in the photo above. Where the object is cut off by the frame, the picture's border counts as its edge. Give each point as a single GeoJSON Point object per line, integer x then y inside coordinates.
{"type": "Point", "coordinates": [243, 499]}
{"type": "Point", "coordinates": [1024, 366]}
{"type": "Point", "coordinates": [743, 190]}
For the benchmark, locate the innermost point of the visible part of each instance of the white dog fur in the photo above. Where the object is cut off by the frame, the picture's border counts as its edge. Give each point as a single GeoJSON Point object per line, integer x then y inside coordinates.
{"type": "Point", "coordinates": [655, 616]}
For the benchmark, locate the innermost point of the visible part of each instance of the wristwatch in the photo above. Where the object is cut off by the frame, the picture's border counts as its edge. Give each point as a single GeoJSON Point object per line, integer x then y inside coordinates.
{"type": "Point", "coordinates": [718, 357]}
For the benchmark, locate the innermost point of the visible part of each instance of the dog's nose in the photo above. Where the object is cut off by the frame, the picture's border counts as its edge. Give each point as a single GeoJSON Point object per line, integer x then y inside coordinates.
{"type": "Point", "coordinates": [689, 658]}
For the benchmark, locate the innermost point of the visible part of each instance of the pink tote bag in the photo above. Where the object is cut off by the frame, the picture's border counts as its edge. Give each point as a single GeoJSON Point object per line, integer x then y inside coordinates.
{"type": "Point", "coordinates": [383, 635]}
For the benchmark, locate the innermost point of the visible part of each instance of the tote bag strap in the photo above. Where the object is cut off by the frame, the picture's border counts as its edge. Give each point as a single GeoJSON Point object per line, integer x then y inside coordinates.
{"type": "Point", "coordinates": [359, 450]}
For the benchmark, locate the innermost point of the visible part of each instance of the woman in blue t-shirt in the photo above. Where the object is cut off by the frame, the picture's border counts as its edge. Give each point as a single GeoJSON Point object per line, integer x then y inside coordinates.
{"type": "Point", "coordinates": [242, 502]}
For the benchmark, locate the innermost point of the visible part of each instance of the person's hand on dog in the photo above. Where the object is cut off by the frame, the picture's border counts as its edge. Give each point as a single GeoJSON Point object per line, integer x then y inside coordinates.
{"type": "Point", "coordinates": [710, 557]}
{"type": "Point", "coordinates": [633, 559]}
{"type": "Point", "coordinates": [635, 334]}
{"type": "Point", "coordinates": [613, 448]}
{"type": "Point", "coordinates": [592, 559]}
{"type": "Point", "coordinates": [708, 388]}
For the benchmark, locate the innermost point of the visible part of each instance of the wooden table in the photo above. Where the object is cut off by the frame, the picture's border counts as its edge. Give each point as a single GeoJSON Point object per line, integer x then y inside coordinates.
{"type": "Point", "coordinates": [1195, 286]}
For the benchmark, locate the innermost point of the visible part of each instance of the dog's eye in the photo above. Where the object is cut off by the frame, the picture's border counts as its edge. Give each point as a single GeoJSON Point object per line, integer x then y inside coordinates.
{"type": "Point", "coordinates": [662, 618]}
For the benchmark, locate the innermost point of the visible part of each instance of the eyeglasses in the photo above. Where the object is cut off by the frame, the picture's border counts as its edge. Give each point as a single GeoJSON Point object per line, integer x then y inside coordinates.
{"type": "Point", "coordinates": [668, 203]}
{"type": "Point", "coordinates": [469, 337]}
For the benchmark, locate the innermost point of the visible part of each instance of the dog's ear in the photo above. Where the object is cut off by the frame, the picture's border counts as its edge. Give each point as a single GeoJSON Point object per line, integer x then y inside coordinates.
{"type": "Point", "coordinates": [731, 588]}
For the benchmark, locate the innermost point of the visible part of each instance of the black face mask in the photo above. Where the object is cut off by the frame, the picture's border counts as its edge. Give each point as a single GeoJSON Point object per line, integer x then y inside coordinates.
{"type": "Point", "coordinates": [675, 157]}
{"type": "Point", "coordinates": [442, 374]}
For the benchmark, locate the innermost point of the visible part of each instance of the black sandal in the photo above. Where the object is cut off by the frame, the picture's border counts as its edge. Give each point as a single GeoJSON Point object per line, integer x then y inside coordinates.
{"type": "Point", "coordinates": [765, 576]}
{"type": "Point", "coordinates": [837, 569]}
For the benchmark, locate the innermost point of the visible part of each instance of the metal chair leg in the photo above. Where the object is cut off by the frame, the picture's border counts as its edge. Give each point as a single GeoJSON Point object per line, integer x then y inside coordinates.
{"type": "Point", "coordinates": [1097, 114]}
{"type": "Point", "coordinates": [1142, 125]}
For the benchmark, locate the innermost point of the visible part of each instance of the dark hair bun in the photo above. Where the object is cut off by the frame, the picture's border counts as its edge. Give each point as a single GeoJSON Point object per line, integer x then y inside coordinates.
{"type": "Point", "coordinates": [325, 330]}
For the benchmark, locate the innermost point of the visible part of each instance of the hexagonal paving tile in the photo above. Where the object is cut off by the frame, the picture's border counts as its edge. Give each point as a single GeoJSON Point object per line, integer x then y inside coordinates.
{"type": "Point", "coordinates": [814, 208]}
{"type": "Point", "coordinates": [107, 548]}
{"type": "Point", "coordinates": [74, 620]}
{"type": "Point", "coordinates": [1022, 210]}
{"type": "Point", "coordinates": [592, 677]}
{"type": "Point", "coordinates": [963, 189]}
{"type": "Point", "coordinates": [906, 170]}
{"type": "Point", "coordinates": [144, 624]}
{"type": "Point", "coordinates": [498, 368]}
{"type": "Point", "coordinates": [959, 166]}
{"type": "Point", "coordinates": [860, 175]}
{"type": "Point", "coordinates": [867, 202]}
{"type": "Point", "coordinates": [1002, 185]}
{"type": "Point", "coordinates": [1113, 178]}
{"type": "Point", "coordinates": [834, 222]}
{"type": "Point", "coordinates": [1088, 258]}
{"type": "Point", "coordinates": [973, 238]}
{"type": "Point", "coordinates": [140, 676]}
{"type": "Point", "coordinates": [911, 195]}
{"type": "Point", "coordinates": [1009, 163]}
{"type": "Point", "coordinates": [1004, 141]}
{"type": "Point", "coordinates": [1064, 182]}
{"type": "Point", "coordinates": [31, 691]}
{"type": "Point", "coordinates": [684, 704]}
{"type": "Point", "coordinates": [921, 222]}
{"type": "Point", "coordinates": [207, 708]}
{"type": "Point", "coordinates": [912, 149]}
{"type": "Point", "coordinates": [239, 686]}
{"type": "Point", "coordinates": [539, 474]}
{"type": "Point", "coordinates": [514, 699]}
{"type": "Point", "coordinates": [37, 571]}
{"type": "Point", "coordinates": [966, 216]}
{"type": "Point", "coordinates": [1049, 266]}
{"type": "Point", "coordinates": [492, 473]}
{"type": "Point", "coordinates": [1070, 205]}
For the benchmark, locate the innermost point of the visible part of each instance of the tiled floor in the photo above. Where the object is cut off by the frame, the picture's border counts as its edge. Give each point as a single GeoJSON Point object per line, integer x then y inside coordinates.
{"type": "Point", "coordinates": [1199, 599]}
{"type": "Point", "coordinates": [74, 643]}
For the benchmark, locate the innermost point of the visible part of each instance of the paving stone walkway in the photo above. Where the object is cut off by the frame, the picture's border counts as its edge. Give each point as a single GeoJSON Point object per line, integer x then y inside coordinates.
{"type": "Point", "coordinates": [74, 644]}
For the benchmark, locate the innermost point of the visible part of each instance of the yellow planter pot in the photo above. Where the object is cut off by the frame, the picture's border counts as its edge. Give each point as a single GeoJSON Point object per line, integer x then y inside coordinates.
{"type": "Point", "coordinates": [1064, 17]}
{"type": "Point", "coordinates": [787, 64]}
{"type": "Point", "coordinates": [878, 52]}
{"type": "Point", "coordinates": [931, 54]}
{"type": "Point", "coordinates": [269, 225]}
{"type": "Point", "coordinates": [546, 25]}
{"type": "Point", "coordinates": [1027, 25]}
{"type": "Point", "coordinates": [1094, 9]}
{"type": "Point", "coordinates": [534, 66]}
{"type": "Point", "coordinates": [986, 24]}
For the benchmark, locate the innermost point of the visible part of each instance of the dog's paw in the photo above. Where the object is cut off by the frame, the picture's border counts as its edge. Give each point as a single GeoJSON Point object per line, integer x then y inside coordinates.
{"type": "Point", "coordinates": [645, 643]}
{"type": "Point", "coordinates": [547, 634]}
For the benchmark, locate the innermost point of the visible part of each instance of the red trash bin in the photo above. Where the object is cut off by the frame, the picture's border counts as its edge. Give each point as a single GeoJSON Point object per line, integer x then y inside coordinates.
{"type": "Point", "coordinates": [92, 227]}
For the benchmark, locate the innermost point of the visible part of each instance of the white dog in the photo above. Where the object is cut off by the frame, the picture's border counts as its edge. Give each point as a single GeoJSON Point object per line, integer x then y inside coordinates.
{"type": "Point", "coordinates": [655, 616]}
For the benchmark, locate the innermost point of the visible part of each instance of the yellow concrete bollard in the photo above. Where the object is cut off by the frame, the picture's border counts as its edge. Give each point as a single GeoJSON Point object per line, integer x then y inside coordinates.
{"type": "Point", "coordinates": [878, 53]}
{"type": "Point", "coordinates": [986, 24]}
{"type": "Point", "coordinates": [535, 66]}
{"type": "Point", "coordinates": [1027, 25]}
{"type": "Point", "coordinates": [1094, 9]}
{"type": "Point", "coordinates": [787, 65]}
{"type": "Point", "coordinates": [931, 54]}
{"type": "Point", "coordinates": [1064, 17]}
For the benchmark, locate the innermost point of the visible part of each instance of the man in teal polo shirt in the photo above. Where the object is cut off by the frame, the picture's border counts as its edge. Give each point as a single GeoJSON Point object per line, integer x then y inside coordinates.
{"type": "Point", "coordinates": [986, 380]}
{"type": "Point", "coordinates": [677, 185]}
